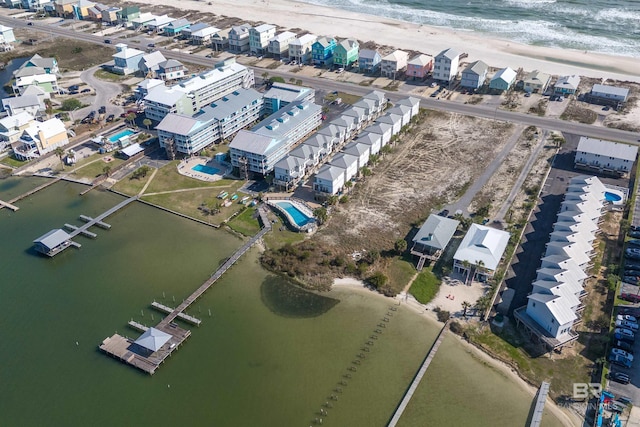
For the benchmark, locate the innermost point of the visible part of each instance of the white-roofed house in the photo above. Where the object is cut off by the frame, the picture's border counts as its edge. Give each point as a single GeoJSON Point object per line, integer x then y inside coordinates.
{"type": "Point", "coordinates": [373, 140]}
{"type": "Point", "coordinates": [368, 60]}
{"type": "Point", "coordinates": [6, 35]}
{"type": "Point", "coordinates": [432, 238]}
{"type": "Point", "coordinates": [481, 249]}
{"type": "Point", "coordinates": [607, 95]}
{"type": "Point", "coordinates": [445, 66]}
{"type": "Point", "coordinates": [143, 20]}
{"type": "Point", "coordinates": [360, 150]}
{"type": "Point", "coordinates": [170, 69]}
{"type": "Point", "coordinates": [259, 38]}
{"type": "Point", "coordinates": [300, 48]}
{"type": "Point", "coordinates": [392, 119]}
{"type": "Point", "coordinates": [411, 102]}
{"type": "Point", "coordinates": [288, 171]}
{"type": "Point", "coordinates": [310, 154]}
{"type": "Point", "coordinates": [403, 111]}
{"type": "Point", "coordinates": [279, 44]}
{"type": "Point", "coordinates": [329, 180]}
{"type": "Point", "coordinates": [349, 124]}
{"type": "Point", "coordinates": [34, 76]}
{"type": "Point", "coordinates": [159, 23]}
{"type": "Point", "coordinates": [369, 107]}
{"type": "Point", "coordinates": [605, 156]}
{"type": "Point", "coordinates": [536, 82]}
{"type": "Point", "coordinates": [378, 98]}
{"type": "Point", "coordinates": [392, 64]}
{"type": "Point", "coordinates": [126, 59]}
{"type": "Point", "coordinates": [348, 163]}
{"type": "Point", "coordinates": [385, 130]}
{"type": "Point", "coordinates": [31, 104]}
{"type": "Point", "coordinates": [202, 36]}
{"type": "Point", "coordinates": [567, 85]}
{"type": "Point", "coordinates": [144, 87]}
{"type": "Point", "coordinates": [359, 114]}
{"type": "Point", "coordinates": [12, 127]}
{"type": "Point", "coordinates": [419, 66]}
{"type": "Point", "coordinates": [324, 144]}
{"type": "Point", "coordinates": [149, 63]}
{"type": "Point", "coordinates": [503, 79]}
{"type": "Point", "coordinates": [337, 134]}
{"type": "Point", "coordinates": [553, 314]}
{"type": "Point", "coordinates": [40, 138]}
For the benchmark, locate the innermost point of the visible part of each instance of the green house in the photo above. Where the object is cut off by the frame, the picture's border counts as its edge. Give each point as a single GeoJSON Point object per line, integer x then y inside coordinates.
{"type": "Point", "coordinates": [346, 53]}
{"type": "Point", "coordinates": [128, 13]}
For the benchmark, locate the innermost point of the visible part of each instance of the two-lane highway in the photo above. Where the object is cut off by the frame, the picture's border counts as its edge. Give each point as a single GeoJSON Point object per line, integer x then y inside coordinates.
{"type": "Point", "coordinates": [330, 85]}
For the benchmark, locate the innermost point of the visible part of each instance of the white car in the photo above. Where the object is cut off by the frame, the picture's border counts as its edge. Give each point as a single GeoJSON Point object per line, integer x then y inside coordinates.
{"type": "Point", "coordinates": [625, 333]}
{"type": "Point", "coordinates": [626, 324]}
{"type": "Point", "coordinates": [622, 353]}
{"type": "Point", "coordinates": [627, 317]}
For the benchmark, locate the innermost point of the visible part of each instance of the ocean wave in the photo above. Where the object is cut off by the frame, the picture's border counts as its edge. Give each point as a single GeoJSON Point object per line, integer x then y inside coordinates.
{"type": "Point", "coordinates": [616, 15]}
{"type": "Point", "coordinates": [528, 4]}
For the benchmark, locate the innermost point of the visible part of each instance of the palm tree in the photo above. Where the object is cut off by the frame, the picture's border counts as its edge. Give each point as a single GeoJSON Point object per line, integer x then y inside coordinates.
{"type": "Point", "coordinates": [348, 185]}
{"type": "Point", "coordinates": [465, 306]}
{"type": "Point", "coordinates": [131, 118]}
{"type": "Point", "coordinates": [482, 304]}
{"type": "Point", "coordinates": [59, 152]}
{"type": "Point", "coordinates": [106, 170]}
{"type": "Point", "coordinates": [320, 214]}
{"type": "Point", "coordinates": [479, 268]}
{"type": "Point", "coordinates": [467, 266]}
{"type": "Point", "coordinates": [147, 123]}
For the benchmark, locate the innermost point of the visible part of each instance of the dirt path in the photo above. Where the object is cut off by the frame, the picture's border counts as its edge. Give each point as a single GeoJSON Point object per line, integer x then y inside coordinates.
{"type": "Point", "coordinates": [153, 175]}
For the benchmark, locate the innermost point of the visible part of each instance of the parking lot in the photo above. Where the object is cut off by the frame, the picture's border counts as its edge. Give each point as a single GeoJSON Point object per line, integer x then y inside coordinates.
{"type": "Point", "coordinates": [631, 390]}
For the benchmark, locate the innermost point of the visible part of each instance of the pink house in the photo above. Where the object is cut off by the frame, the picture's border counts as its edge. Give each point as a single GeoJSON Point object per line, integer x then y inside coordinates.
{"type": "Point", "coordinates": [419, 66]}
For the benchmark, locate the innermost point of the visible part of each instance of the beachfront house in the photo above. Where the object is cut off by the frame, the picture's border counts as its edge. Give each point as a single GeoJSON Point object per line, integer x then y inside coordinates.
{"type": "Point", "coordinates": [567, 85]}
{"type": "Point", "coordinates": [126, 59]}
{"type": "Point", "coordinates": [445, 66]}
{"type": "Point", "coordinates": [503, 80]}
{"type": "Point", "coordinates": [300, 48]}
{"type": "Point", "coordinates": [110, 15]}
{"type": "Point", "coordinates": [279, 44]}
{"type": "Point", "coordinates": [480, 252]}
{"type": "Point", "coordinates": [605, 156]}
{"type": "Point", "coordinates": [536, 82]}
{"type": "Point", "coordinates": [607, 95]}
{"type": "Point", "coordinates": [187, 135]}
{"type": "Point", "coordinates": [142, 20]}
{"type": "Point", "coordinates": [474, 75]}
{"type": "Point", "coordinates": [6, 35]}
{"type": "Point", "coordinates": [239, 38]}
{"type": "Point", "coordinates": [64, 8]}
{"type": "Point", "coordinates": [40, 138]}
{"type": "Point", "coordinates": [128, 14]}
{"type": "Point", "coordinates": [288, 171]}
{"type": "Point", "coordinates": [392, 119]}
{"type": "Point", "coordinates": [369, 61]}
{"type": "Point", "coordinates": [382, 129]}
{"type": "Point", "coordinates": [175, 28]}
{"type": "Point", "coordinates": [259, 149]}
{"type": "Point", "coordinates": [282, 94]}
{"type": "Point", "coordinates": [432, 238]}
{"type": "Point", "coordinates": [373, 140]}
{"type": "Point", "coordinates": [12, 127]}
{"type": "Point", "coordinates": [322, 51]}
{"type": "Point", "coordinates": [187, 32]}
{"type": "Point", "coordinates": [346, 53]}
{"type": "Point", "coordinates": [259, 38]}
{"type": "Point", "coordinates": [419, 66]}
{"type": "Point", "coordinates": [220, 40]}
{"type": "Point", "coordinates": [201, 36]}
{"type": "Point", "coordinates": [392, 65]}
{"type": "Point", "coordinates": [329, 180]}
{"type": "Point", "coordinates": [360, 150]}
{"type": "Point", "coordinates": [159, 23]}
{"type": "Point", "coordinates": [170, 69]}
{"type": "Point", "coordinates": [348, 163]}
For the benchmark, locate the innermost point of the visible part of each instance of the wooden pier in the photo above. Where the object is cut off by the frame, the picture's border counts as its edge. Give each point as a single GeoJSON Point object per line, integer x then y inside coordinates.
{"type": "Point", "coordinates": [100, 224]}
{"type": "Point", "coordinates": [10, 203]}
{"type": "Point", "coordinates": [85, 233]}
{"type": "Point", "coordinates": [124, 349]}
{"type": "Point", "coordinates": [99, 218]}
{"type": "Point", "coordinates": [182, 316]}
{"type": "Point", "coordinates": [416, 381]}
{"type": "Point", "coordinates": [541, 399]}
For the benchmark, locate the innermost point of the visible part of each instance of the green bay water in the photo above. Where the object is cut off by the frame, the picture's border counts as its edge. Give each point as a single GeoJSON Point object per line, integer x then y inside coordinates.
{"type": "Point", "coordinates": [258, 360]}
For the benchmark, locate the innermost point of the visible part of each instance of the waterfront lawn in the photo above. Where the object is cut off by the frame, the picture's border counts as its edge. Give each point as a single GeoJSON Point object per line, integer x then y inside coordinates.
{"type": "Point", "coordinates": [277, 237]}
{"type": "Point", "coordinates": [245, 222]}
{"type": "Point", "coordinates": [132, 186]}
{"type": "Point", "coordinates": [399, 271]}
{"type": "Point", "coordinates": [168, 179]}
{"type": "Point", "coordinates": [95, 169]}
{"type": "Point", "coordinates": [14, 163]}
{"type": "Point", "coordinates": [425, 287]}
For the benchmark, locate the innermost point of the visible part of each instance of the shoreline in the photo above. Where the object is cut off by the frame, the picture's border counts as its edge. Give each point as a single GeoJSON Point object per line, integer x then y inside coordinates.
{"type": "Point", "coordinates": [321, 20]}
{"type": "Point", "coordinates": [568, 418]}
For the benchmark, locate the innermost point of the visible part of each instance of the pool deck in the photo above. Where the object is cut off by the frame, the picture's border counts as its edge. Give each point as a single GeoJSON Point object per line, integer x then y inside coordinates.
{"type": "Point", "coordinates": [185, 168]}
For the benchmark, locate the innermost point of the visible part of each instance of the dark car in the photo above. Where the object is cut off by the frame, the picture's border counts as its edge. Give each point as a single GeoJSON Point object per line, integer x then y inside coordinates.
{"type": "Point", "coordinates": [632, 280]}
{"type": "Point", "coordinates": [111, 117]}
{"type": "Point", "coordinates": [73, 92]}
{"type": "Point", "coordinates": [631, 266]}
{"type": "Point", "coordinates": [74, 87]}
{"type": "Point", "coordinates": [623, 345]}
{"type": "Point", "coordinates": [151, 45]}
{"type": "Point", "coordinates": [625, 338]}
{"type": "Point", "coordinates": [635, 312]}
{"type": "Point", "coordinates": [620, 360]}
{"type": "Point", "coordinates": [630, 297]}
{"type": "Point", "coordinates": [634, 234]}
{"type": "Point", "coordinates": [635, 228]}
{"type": "Point", "coordinates": [102, 110]}
{"type": "Point", "coordinates": [107, 41]}
{"type": "Point", "coordinates": [632, 255]}
{"type": "Point", "coordinates": [444, 213]}
{"type": "Point", "coordinates": [29, 23]}
{"type": "Point", "coordinates": [85, 91]}
{"type": "Point", "coordinates": [620, 377]}
{"type": "Point", "coordinates": [634, 243]}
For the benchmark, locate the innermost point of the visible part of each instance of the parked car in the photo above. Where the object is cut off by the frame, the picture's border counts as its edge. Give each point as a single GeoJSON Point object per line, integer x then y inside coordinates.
{"type": "Point", "coordinates": [444, 213]}
{"type": "Point", "coordinates": [634, 242]}
{"type": "Point", "coordinates": [620, 377]}
{"type": "Point", "coordinates": [111, 117]}
{"type": "Point", "coordinates": [527, 94]}
{"type": "Point", "coordinates": [631, 272]}
{"type": "Point", "coordinates": [634, 228]}
{"type": "Point", "coordinates": [107, 41]}
{"type": "Point", "coordinates": [632, 280]}
{"type": "Point", "coordinates": [634, 234]}
{"type": "Point", "coordinates": [632, 326]}
{"type": "Point", "coordinates": [625, 400]}
{"type": "Point", "coordinates": [85, 90]}
{"type": "Point", "coordinates": [29, 23]}
{"type": "Point", "coordinates": [619, 360]}
{"type": "Point", "coordinates": [630, 297]}
{"type": "Point", "coordinates": [74, 87]}
{"type": "Point", "coordinates": [632, 253]}
{"type": "Point", "coordinates": [620, 352]}
{"type": "Point", "coordinates": [623, 345]}
{"type": "Point", "coordinates": [151, 45]}
{"type": "Point", "coordinates": [635, 312]}
{"type": "Point", "coordinates": [627, 317]}
{"type": "Point", "coordinates": [630, 265]}
{"type": "Point", "coordinates": [102, 110]}
{"type": "Point", "coordinates": [625, 332]}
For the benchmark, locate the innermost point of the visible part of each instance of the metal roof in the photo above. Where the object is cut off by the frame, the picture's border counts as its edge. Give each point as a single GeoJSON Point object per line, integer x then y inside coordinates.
{"type": "Point", "coordinates": [436, 231]}
{"type": "Point", "coordinates": [482, 243]}
{"type": "Point", "coordinates": [368, 54]}
{"type": "Point", "coordinates": [153, 339]}
{"type": "Point", "coordinates": [608, 148]}
{"type": "Point", "coordinates": [450, 54]}
{"type": "Point", "coordinates": [329, 172]}
{"type": "Point", "coordinates": [53, 238]}
{"type": "Point", "coordinates": [478, 68]}
{"type": "Point", "coordinates": [356, 148]}
{"type": "Point", "coordinates": [612, 90]}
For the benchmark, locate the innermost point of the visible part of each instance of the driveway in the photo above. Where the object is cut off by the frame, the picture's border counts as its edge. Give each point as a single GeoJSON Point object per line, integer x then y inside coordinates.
{"type": "Point", "coordinates": [104, 93]}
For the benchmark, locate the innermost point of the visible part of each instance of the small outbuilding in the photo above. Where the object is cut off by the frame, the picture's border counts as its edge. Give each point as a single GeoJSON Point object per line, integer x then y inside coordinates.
{"type": "Point", "coordinates": [153, 339]}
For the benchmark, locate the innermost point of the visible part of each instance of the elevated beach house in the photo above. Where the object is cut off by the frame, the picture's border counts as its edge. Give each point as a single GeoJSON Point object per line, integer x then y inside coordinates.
{"type": "Point", "coordinates": [480, 251]}
{"type": "Point", "coordinates": [445, 67]}
{"type": "Point", "coordinates": [300, 48]}
{"type": "Point", "coordinates": [239, 38]}
{"type": "Point", "coordinates": [127, 14]}
{"type": "Point", "coordinates": [393, 64]}
{"type": "Point", "coordinates": [567, 85]}
{"type": "Point", "coordinates": [503, 80]}
{"type": "Point", "coordinates": [279, 44]}
{"type": "Point", "coordinates": [329, 180]}
{"type": "Point", "coordinates": [474, 76]}
{"type": "Point", "coordinates": [432, 238]}
{"type": "Point", "coordinates": [126, 59]}
{"type": "Point", "coordinates": [369, 61]}
{"type": "Point", "coordinates": [419, 66]}
{"type": "Point", "coordinates": [202, 36]}
{"type": "Point", "coordinates": [346, 53]}
{"type": "Point", "coordinates": [605, 156]}
{"type": "Point", "coordinates": [259, 38]}
{"type": "Point", "coordinates": [175, 28]}
{"type": "Point", "coordinates": [536, 82]}
{"type": "Point", "coordinates": [322, 51]}
{"type": "Point", "coordinates": [613, 96]}
{"type": "Point", "coordinates": [360, 150]}
{"type": "Point", "coordinates": [40, 138]}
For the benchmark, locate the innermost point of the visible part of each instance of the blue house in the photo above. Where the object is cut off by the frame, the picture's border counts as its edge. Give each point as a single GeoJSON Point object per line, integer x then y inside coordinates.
{"type": "Point", "coordinates": [369, 61]}
{"type": "Point", "coordinates": [474, 75]}
{"type": "Point", "coordinates": [126, 59]}
{"type": "Point", "coordinates": [175, 27]}
{"type": "Point", "coordinates": [322, 51]}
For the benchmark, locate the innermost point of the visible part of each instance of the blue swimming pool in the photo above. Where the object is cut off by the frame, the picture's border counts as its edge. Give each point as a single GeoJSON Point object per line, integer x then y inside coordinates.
{"type": "Point", "coordinates": [115, 138]}
{"type": "Point", "coordinates": [298, 216]}
{"type": "Point", "coordinates": [205, 169]}
{"type": "Point", "coordinates": [612, 197]}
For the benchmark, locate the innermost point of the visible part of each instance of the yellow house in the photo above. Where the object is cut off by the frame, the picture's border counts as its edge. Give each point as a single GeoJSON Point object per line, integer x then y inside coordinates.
{"type": "Point", "coordinates": [64, 8]}
{"type": "Point", "coordinates": [81, 9]}
{"type": "Point", "coordinates": [40, 138]}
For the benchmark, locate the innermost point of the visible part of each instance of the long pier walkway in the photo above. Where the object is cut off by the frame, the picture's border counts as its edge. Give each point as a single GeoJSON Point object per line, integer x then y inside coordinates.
{"type": "Point", "coordinates": [536, 418]}
{"type": "Point", "coordinates": [215, 276]}
{"type": "Point", "coordinates": [99, 218]}
{"type": "Point", "coordinates": [9, 203]}
{"type": "Point", "coordinates": [416, 380]}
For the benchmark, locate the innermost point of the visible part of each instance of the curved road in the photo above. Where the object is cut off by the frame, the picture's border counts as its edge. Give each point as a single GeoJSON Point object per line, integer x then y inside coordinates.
{"type": "Point", "coordinates": [329, 85]}
{"type": "Point", "coordinates": [105, 91]}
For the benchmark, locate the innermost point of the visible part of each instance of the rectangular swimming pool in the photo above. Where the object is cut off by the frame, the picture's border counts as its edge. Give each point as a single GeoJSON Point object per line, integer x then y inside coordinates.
{"type": "Point", "coordinates": [115, 138]}
{"type": "Point", "coordinates": [297, 215]}
{"type": "Point", "coordinates": [205, 169]}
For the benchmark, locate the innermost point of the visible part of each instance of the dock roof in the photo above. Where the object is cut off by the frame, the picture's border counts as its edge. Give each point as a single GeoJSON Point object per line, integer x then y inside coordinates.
{"type": "Point", "coordinates": [53, 238]}
{"type": "Point", "coordinates": [153, 339]}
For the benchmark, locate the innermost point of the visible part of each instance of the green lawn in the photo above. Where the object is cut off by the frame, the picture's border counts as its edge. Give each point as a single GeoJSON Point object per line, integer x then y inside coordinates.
{"type": "Point", "coordinates": [277, 238]}
{"type": "Point", "coordinates": [109, 76]}
{"type": "Point", "coordinates": [96, 169]}
{"type": "Point", "coordinates": [15, 163]}
{"type": "Point", "coordinates": [245, 223]}
{"type": "Point", "coordinates": [132, 186]}
{"type": "Point", "coordinates": [400, 271]}
{"type": "Point", "coordinates": [168, 179]}
{"type": "Point", "coordinates": [347, 98]}
{"type": "Point", "coordinates": [425, 287]}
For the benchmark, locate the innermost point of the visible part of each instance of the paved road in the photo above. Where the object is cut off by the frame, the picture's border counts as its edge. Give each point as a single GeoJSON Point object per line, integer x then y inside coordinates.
{"type": "Point", "coordinates": [105, 91]}
{"type": "Point", "coordinates": [484, 111]}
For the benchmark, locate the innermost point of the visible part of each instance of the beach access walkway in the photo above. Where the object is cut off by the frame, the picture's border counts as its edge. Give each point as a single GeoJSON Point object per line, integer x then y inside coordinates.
{"type": "Point", "coordinates": [536, 417]}
{"type": "Point", "coordinates": [416, 380]}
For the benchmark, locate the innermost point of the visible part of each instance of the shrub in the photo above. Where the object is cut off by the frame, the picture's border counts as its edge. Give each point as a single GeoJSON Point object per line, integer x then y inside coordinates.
{"type": "Point", "coordinates": [456, 328]}
{"type": "Point", "coordinates": [378, 280]}
{"type": "Point", "coordinates": [443, 315]}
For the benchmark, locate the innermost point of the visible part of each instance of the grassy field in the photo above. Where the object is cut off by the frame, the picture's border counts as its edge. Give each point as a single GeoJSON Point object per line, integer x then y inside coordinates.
{"type": "Point", "coordinates": [71, 54]}
{"type": "Point", "coordinates": [425, 287]}
{"type": "Point", "coordinates": [278, 238]}
{"type": "Point", "coordinates": [93, 170]}
{"type": "Point", "coordinates": [246, 223]}
{"type": "Point", "coordinates": [109, 76]}
{"type": "Point", "coordinates": [347, 98]}
{"type": "Point", "coordinates": [10, 161]}
{"type": "Point", "coordinates": [399, 272]}
{"type": "Point", "coordinates": [132, 186]}
{"type": "Point", "coordinates": [168, 179]}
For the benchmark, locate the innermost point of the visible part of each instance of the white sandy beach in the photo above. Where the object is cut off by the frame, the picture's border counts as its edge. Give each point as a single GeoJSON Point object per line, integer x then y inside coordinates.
{"type": "Point", "coordinates": [430, 40]}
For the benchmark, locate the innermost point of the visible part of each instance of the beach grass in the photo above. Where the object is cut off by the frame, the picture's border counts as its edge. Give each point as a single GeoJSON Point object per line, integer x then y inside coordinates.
{"type": "Point", "coordinates": [245, 222]}
{"type": "Point", "coordinates": [425, 287]}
